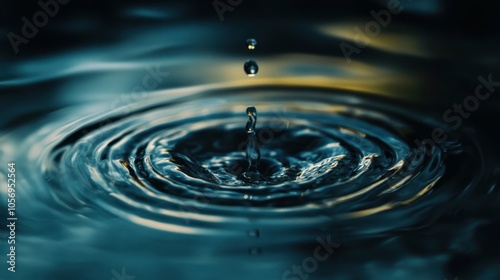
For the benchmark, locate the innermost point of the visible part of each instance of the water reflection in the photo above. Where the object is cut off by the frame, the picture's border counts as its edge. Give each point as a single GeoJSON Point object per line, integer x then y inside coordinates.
{"type": "Point", "coordinates": [85, 128]}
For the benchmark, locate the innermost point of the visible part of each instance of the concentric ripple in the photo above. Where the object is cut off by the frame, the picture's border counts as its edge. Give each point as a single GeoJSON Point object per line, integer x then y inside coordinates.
{"type": "Point", "coordinates": [177, 164]}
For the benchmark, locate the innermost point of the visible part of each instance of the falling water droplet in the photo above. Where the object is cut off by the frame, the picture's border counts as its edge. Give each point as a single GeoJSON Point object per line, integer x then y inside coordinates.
{"type": "Point", "coordinates": [254, 233]}
{"type": "Point", "coordinates": [251, 44]}
{"type": "Point", "coordinates": [253, 153]}
{"type": "Point", "coordinates": [251, 68]}
{"type": "Point", "coordinates": [255, 251]}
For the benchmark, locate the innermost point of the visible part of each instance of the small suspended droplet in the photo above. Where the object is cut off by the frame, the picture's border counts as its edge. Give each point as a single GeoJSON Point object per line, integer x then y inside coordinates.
{"type": "Point", "coordinates": [251, 44]}
{"type": "Point", "coordinates": [254, 233]}
{"type": "Point", "coordinates": [251, 68]}
{"type": "Point", "coordinates": [255, 251]}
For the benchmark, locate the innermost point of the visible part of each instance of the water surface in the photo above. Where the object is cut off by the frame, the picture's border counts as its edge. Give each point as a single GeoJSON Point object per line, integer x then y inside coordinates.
{"type": "Point", "coordinates": [131, 149]}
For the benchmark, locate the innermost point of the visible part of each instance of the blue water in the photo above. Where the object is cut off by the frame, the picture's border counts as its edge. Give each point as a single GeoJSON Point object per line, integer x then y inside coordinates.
{"type": "Point", "coordinates": [132, 156]}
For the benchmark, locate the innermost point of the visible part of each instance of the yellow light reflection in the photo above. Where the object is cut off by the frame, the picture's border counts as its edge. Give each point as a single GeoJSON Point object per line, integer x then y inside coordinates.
{"type": "Point", "coordinates": [387, 41]}
{"type": "Point", "coordinates": [387, 206]}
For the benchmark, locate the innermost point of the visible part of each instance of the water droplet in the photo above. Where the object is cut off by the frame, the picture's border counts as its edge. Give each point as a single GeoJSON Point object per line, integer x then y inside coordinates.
{"type": "Point", "coordinates": [255, 233]}
{"type": "Point", "coordinates": [255, 251]}
{"type": "Point", "coordinates": [252, 119]}
{"type": "Point", "coordinates": [251, 68]}
{"type": "Point", "coordinates": [253, 153]}
{"type": "Point", "coordinates": [251, 44]}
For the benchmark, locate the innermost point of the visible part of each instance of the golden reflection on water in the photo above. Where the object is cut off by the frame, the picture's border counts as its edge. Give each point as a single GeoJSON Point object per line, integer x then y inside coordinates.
{"type": "Point", "coordinates": [386, 40]}
{"type": "Point", "coordinates": [388, 206]}
{"type": "Point", "coordinates": [321, 72]}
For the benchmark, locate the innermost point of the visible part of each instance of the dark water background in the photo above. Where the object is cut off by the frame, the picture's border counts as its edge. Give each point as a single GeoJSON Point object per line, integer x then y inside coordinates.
{"type": "Point", "coordinates": [108, 175]}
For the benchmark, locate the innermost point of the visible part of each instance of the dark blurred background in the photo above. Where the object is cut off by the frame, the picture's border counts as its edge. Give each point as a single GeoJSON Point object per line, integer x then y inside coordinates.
{"type": "Point", "coordinates": [452, 43]}
{"type": "Point", "coordinates": [428, 57]}
{"type": "Point", "coordinates": [457, 40]}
